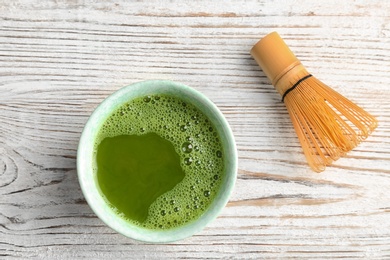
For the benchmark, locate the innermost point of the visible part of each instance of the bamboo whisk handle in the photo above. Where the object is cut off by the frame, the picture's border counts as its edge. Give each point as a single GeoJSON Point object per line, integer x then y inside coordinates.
{"type": "Point", "coordinates": [278, 62]}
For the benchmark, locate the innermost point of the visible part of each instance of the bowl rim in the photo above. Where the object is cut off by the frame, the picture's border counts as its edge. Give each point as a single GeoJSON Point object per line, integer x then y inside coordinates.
{"type": "Point", "coordinates": [87, 178]}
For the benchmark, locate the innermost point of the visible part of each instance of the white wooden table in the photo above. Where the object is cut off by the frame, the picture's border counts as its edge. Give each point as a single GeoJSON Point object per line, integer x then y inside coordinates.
{"type": "Point", "coordinates": [59, 59]}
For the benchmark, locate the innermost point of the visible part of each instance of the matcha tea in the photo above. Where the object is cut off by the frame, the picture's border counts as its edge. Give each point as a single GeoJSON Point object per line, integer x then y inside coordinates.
{"type": "Point", "coordinates": [159, 162]}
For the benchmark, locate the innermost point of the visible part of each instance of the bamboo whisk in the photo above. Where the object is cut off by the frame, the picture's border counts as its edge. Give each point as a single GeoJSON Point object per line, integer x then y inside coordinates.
{"type": "Point", "coordinates": [328, 125]}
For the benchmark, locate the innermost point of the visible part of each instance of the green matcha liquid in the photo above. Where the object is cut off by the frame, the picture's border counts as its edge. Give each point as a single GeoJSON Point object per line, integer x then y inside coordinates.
{"type": "Point", "coordinates": [159, 162]}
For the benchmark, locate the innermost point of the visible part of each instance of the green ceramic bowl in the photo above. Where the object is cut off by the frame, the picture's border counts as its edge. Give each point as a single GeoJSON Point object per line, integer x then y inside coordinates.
{"type": "Point", "coordinates": [88, 179]}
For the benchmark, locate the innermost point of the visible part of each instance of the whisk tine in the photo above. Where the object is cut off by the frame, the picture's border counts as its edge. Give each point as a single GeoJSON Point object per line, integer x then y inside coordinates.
{"type": "Point", "coordinates": [328, 125]}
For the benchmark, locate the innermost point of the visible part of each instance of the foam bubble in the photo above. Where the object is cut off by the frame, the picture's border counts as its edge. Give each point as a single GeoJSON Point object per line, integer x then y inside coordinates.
{"type": "Point", "coordinates": [187, 147]}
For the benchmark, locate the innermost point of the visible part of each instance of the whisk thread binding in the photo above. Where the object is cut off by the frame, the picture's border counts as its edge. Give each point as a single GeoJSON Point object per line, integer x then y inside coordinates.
{"type": "Point", "coordinates": [295, 85]}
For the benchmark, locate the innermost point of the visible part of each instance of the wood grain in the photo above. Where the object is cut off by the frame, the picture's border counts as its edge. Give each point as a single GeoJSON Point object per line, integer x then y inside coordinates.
{"type": "Point", "coordinates": [60, 59]}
